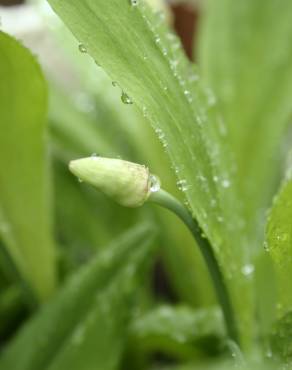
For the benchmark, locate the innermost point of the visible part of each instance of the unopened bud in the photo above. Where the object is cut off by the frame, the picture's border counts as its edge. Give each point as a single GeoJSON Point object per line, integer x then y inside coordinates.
{"type": "Point", "coordinates": [129, 184]}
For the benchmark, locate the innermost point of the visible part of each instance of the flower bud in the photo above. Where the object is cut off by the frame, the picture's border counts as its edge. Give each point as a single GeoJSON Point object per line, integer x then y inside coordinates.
{"type": "Point", "coordinates": [129, 184]}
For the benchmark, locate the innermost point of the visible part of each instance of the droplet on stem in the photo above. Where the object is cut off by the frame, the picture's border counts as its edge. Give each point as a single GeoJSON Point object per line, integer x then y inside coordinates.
{"type": "Point", "coordinates": [154, 184]}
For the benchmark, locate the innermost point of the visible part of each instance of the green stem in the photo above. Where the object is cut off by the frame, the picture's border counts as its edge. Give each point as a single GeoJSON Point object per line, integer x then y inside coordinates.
{"type": "Point", "coordinates": [166, 200]}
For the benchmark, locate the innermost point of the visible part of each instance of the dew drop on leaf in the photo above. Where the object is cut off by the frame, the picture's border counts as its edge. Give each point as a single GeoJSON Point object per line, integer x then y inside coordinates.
{"type": "Point", "coordinates": [134, 2]}
{"type": "Point", "coordinates": [82, 48]}
{"type": "Point", "coordinates": [225, 183]}
{"type": "Point", "coordinates": [126, 99]}
{"type": "Point", "coordinates": [247, 269]}
{"type": "Point", "coordinates": [182, 185]}
{"type": "Point", "coordinates": [94, 156]}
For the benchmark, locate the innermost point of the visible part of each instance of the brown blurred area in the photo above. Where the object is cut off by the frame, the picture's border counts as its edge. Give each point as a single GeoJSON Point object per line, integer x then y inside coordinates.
{"type": "Point", "coordinates": [185, 24]}
{"type": "Point", "coordinates": [11, 2]}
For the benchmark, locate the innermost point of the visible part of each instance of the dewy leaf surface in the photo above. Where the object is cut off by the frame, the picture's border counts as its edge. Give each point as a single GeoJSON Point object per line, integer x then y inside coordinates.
{"type": "Point", "coordinates": [145, 59]}
{"type": "Point", "coordinates": [279, 243]}
{"type": "Point", "coordinates": [178, 330]}
{"type": "Point", "coordinates": [246, 56]}
{"type": "Point", "coordinates": [85, 323]}
{"type": "Point", "coordinates": [25, 217]}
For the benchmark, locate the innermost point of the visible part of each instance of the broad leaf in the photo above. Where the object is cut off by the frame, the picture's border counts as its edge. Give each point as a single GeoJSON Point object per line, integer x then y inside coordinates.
{"type": "Point", "coordinates": [246, 56]}
{"type": "Point", "coordinates": [94, 116]}
{"type": "Point", "coordinates": [25, 217]}
{"type": "Point", "coordinates": [144, 58]}
{"type": "Point", "coordinates": [179, 331]}
{"type": "Point", "coordinates": [85, 324]}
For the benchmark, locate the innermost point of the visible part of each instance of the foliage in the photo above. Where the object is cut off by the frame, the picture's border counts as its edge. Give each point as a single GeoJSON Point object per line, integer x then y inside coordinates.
{"type": "Point", "coordinates": [76, 269]}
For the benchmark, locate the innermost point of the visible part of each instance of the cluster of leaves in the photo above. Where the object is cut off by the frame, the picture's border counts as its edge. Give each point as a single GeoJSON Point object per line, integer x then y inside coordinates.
{"type": "Point", "coordinates": [76, 268]}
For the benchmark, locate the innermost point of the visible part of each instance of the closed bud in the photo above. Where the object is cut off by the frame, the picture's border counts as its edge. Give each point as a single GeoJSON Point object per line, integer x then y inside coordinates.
{"type": "Point", "coordinates": [129, 184]}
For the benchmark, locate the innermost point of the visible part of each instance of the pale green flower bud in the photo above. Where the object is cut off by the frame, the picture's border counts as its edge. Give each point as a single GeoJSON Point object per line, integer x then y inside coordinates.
{"type": "Point", "coordinates": [129, 184]}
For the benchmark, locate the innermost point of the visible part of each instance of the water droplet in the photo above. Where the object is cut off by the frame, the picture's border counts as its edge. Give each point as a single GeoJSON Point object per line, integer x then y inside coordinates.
{"type": "Point", "coordinates": [201, 178]}
{"type": "Point", "coordinates": [222, 127]}
{"type": "Point", "coordinates": [266, 246]}
{"type": "Point", "coordinates": [220, 219]}
{"type": "Point", "coordinates": [194, 77]}
{"type": "Point", "coordinates": [134, 2]}
{"type": "Point", "coordinates": [94, 156]}
{"type": "Point", "coordinates": [160, 133]}
{"type": "Point", "coordinates": [157, 40]}
{"type": "Point", "coordinates": [173, 64]}
{"type": "Point", "coordinates": [188, 96]}
{"type": "Point", "coordinates": [126, 99]}
{"type": "Point", "coordinates": [247, 269]}
{"type": "Point", "coordinates": [154, 183]}
{"type": "Point", "coordinates": [211, 99]}
{"type": "Point", "coordinates": [145, 113]}
{"type": "Point", "coordinates": [114, 83]}
{"type": "Point", "coordinates": [225, 183]}
{"type": "Point", "coordinates": [82, 48]}
{"type": "Point", "coordinates": [182, 185]}
{"type": "Point", "coordinates": [213, 203]}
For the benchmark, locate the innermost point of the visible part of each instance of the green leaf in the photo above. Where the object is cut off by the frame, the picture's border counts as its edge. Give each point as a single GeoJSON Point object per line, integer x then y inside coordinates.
{"type": "Point", "coordinates": [279, 246]}
{"type": "Point", "coordinates": [143, 73]}
{"type": "Point", "coordinates": [279, 243]}
{"type": "Point", "coordinates": [179, 331]}
{"type": "Point", "coordinates": [246, 57]}
{"type": "Point", "coordinates": [132, 138]}
{"type": "Point", "coordinates": [220, 365]}
{"type": "Point", "coordinates": [85, 324]}
{"type": "Point", "coordinates": [145, 59]}
{"type": "Point", "coordinates": [25, 215]}
{"type": "Point", "coordinates": [281, 340]}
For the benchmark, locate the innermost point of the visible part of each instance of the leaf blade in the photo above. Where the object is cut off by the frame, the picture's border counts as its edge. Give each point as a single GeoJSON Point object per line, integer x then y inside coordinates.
{"type": "Point", "coordinates": [53, 327]}
{"type": "Point", "coordinates": [24, 176]}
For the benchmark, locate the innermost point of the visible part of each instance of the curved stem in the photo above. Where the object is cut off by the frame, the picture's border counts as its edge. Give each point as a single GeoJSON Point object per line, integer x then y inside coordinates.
{"type": "Point", "coordinates": [168, 201]}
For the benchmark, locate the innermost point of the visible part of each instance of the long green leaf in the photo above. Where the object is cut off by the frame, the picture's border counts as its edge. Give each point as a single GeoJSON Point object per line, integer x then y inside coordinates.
{"type": "Point", "coordinates": [25, 217]}
{"type": "Point", "coordinates": [279, 243]}
{"type": "Point", "coordinates": [144, 57]}
{"type": "Point", "coordinates": [106, 126]}
{"type": "Point", "coordinates": [246, 56]}
{"type": "Point", "coordinates": [83, 313]}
